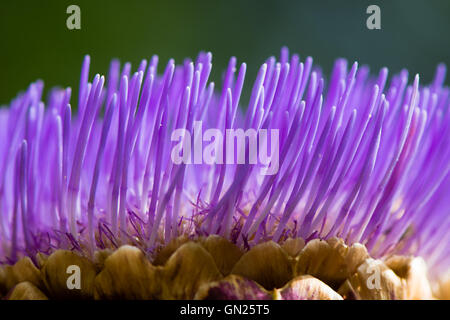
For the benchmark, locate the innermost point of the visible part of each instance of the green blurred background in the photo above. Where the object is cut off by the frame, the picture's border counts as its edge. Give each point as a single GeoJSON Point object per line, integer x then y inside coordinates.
{"type": "Point", "coordinates": [35, 43]}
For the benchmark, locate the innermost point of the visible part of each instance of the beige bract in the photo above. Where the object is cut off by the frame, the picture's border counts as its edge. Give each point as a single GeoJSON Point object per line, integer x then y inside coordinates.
{"type": "Point", "coordinates": [214, 268]}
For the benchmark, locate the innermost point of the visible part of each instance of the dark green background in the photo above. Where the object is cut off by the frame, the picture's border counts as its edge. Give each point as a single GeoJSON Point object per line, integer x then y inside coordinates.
{"type": "Point", "coordinates": [35, 42]}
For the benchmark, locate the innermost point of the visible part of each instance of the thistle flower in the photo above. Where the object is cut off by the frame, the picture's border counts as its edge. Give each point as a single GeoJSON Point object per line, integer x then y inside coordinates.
{"type": "Point", "coordinates": [363, 178]}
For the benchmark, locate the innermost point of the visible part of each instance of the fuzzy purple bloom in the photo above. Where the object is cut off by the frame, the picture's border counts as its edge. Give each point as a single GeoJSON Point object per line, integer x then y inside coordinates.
{"type": "Point", "coordinates": [361, 158]}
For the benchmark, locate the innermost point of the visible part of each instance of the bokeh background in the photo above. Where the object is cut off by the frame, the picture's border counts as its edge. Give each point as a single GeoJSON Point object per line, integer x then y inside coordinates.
{"type": "Point", "coordinates": [35, 43]}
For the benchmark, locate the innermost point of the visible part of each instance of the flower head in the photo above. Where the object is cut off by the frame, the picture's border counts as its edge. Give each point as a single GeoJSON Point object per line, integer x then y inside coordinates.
{"type": "Point", "coordinates": [360, 157]}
